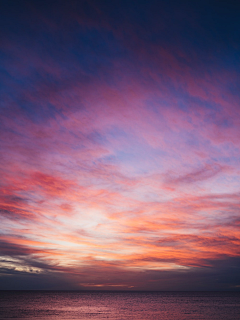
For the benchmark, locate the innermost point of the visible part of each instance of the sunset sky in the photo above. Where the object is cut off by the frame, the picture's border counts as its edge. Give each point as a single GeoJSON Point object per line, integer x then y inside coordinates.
{"type": "Point", "coordinates": [120, 145]}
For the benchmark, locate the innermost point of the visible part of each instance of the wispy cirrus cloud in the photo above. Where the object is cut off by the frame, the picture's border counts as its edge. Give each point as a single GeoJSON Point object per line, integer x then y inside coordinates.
{"type": "Point", "coordinates": [208, 171]}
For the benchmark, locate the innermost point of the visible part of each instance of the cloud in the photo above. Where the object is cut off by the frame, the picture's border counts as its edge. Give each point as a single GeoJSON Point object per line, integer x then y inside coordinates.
{"type": "Point", "coordinates": [15, 207]}
{"type": "Point", "coordinates": [195, 176]}
{"type": "Point", "coordinates": [109, 277]}
{"type": "Point", "coordinates": [12, 249]}
{"type": "Point", "coordinates": [119, 146]}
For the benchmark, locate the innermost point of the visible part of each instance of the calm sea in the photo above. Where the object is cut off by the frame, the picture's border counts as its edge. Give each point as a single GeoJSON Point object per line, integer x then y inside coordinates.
{"type": "Point", "coordinates": [119, 305]}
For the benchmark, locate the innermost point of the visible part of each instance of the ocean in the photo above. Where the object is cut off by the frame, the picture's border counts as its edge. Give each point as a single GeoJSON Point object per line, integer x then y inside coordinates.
{"type": "Point", "coordinates": [119, 305]}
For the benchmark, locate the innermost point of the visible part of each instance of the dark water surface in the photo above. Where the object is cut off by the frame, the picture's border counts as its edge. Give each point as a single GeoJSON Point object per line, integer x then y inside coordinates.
{"type": "Point", "coordinates": [119, 305]}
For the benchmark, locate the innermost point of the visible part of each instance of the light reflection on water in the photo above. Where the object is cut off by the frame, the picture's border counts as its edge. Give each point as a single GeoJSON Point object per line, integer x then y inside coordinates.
{"type": "Point", "coordinates": [52, 305]}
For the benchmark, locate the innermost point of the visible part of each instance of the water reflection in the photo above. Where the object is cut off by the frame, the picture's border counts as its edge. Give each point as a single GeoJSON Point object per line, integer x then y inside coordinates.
{"type": "Point", "coordinates": [119, 305]}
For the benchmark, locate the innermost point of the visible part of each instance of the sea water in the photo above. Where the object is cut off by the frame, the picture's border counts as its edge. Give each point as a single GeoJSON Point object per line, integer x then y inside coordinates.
{"type": "Point", "coordinates": [119, 305]}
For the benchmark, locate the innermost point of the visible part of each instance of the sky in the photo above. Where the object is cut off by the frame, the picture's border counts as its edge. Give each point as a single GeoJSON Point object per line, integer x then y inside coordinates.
{"type": "Point", "coordinates": [120, 145]}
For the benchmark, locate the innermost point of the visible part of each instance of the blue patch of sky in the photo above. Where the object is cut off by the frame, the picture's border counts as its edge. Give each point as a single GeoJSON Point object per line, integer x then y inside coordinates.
{"type": "Point", "coordinates": [116, 132]}
{"type": "Point", "coordinates": [156, 104]}
{"type": "Point", "coordinates": [234, 87]}
{"type": "Point", "coordinates": [97, 138]}
{"type": "Point", "coordinates": [84, 52]}
{"type": "Point", "coordinates": [187, 102]}
{"type": "Point", "coordinates": [96, 45]}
